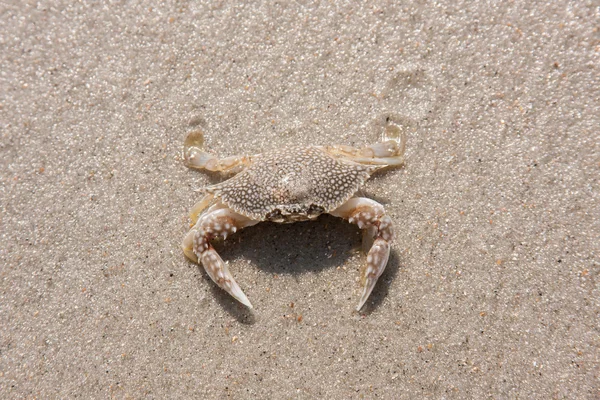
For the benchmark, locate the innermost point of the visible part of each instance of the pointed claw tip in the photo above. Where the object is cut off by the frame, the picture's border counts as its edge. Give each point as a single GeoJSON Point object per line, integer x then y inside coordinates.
{"type": "Point", "coordinates": [362, 302]}
{"type": "Point", "coordinates": [247, 304]}
{"type": "Point", "coordinates": [241, 297]}
{"type": "Point", "coordinates": [368, 288]}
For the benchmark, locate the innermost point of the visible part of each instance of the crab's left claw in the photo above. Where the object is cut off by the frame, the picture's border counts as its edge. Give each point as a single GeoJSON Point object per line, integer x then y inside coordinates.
{"type": "Point", "coordinates": [376, 262]}
{"type": "Point", "coordinates": [370, 216]}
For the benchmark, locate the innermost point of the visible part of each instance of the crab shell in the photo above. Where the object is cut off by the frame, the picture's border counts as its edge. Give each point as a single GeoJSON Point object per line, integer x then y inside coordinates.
{"type": "Point", "coordinates": [295, 184]}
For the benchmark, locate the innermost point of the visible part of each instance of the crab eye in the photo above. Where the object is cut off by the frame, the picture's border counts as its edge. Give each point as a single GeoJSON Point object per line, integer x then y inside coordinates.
{"type": "Point", "coordinates": [315, 210]}
{"type": "Point", "coordinates": [274, 215]}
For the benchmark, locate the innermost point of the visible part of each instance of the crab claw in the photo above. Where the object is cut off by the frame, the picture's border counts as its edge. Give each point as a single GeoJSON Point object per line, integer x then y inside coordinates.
{"type": "Point", "coordinates": [218, 221]}
{"type": "Point", "coordinates": [377, 260]}
{"type": "Point", "coordinates": [370, 216]}
{"type": "Point", "coordinates": [219, 273]}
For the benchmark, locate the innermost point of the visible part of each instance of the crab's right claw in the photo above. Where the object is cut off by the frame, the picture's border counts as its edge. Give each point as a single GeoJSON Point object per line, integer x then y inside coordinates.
{"type": "Point", "coordinates": [215, 268]}
{"type": "Point", "coordinates": [219, 273]}
{"type": "Point", "coordinates": [220, 222]}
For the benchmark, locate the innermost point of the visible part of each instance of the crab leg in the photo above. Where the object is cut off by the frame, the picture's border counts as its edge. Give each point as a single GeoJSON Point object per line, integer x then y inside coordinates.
{"type": "Point", "coordinates": [195, 158]}
{"type": "Point", "coordinates": [196, 246]}
{"type": "Point", "coordinates": [370, 215]}
{"type": "Point", "coordinates": [200, 206]}
{"type": "Point", "coordinates": [387, 153]}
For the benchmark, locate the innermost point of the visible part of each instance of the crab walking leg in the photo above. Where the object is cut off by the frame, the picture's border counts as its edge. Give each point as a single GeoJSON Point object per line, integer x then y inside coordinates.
{"type": "Point", "coordinates": [195, 158]}
{"type": "Point", "coordinates": [370, 215]}
{"type": "Point", "coordinates": [196, 246]}
{"type": "Point", "coordinates": [200, 206]}
{"type": "Point", "coordinates": [388, 153]}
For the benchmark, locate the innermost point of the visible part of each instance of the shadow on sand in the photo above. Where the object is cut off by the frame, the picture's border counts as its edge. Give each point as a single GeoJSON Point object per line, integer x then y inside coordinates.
{"type": "Point", "coordinates": [295, 249]}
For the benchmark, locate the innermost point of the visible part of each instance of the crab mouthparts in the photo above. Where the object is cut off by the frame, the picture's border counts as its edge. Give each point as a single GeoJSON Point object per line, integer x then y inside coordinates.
{"type": "Point", "coordinates": [294, 212]}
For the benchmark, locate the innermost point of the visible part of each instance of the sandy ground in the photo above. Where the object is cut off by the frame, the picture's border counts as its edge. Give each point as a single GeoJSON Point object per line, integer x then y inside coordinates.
{"type": "Point", "coordinates": [493, 287]}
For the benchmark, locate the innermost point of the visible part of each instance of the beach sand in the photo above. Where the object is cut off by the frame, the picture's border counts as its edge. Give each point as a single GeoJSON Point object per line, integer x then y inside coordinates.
{"type": "Point", "coordinates": [493, 286]}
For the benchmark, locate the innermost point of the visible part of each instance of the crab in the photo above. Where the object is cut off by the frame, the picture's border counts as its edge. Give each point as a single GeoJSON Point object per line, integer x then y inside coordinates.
{"type": "Point", "coordinates": [285, 186]}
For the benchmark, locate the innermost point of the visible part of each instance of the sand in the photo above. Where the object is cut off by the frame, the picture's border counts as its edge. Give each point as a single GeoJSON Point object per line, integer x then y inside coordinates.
{"type": "Point", "coordinates": [493, 287]}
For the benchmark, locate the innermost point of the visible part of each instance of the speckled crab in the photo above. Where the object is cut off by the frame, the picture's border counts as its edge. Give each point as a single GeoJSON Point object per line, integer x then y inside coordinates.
{"type": "Point", "coordinates": [289, 185]}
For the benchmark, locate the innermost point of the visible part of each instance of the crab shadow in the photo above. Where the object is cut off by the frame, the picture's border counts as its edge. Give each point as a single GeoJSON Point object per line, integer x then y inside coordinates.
{"type": "Point", "coordinates": [294, 249]}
